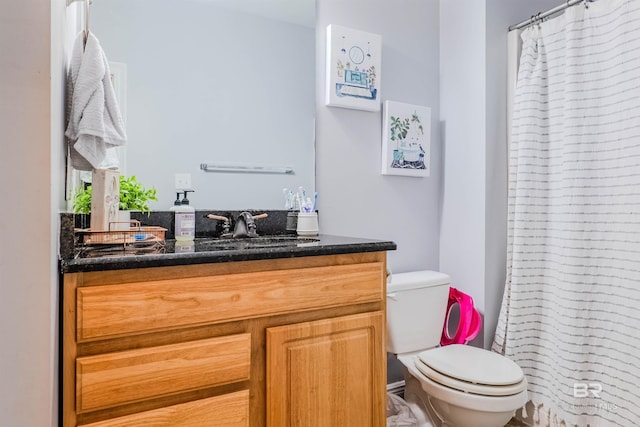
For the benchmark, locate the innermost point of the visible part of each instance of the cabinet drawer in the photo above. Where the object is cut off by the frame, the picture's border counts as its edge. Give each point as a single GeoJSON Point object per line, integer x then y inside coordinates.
{"type": "Point", "coordinates": [112, 379]}
{"type": "Point", "coordinates": [115, 310]}
{"type": "Point", "coordinates": [229, 410]}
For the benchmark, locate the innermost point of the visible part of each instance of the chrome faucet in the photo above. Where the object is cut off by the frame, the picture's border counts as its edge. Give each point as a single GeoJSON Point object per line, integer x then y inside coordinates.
{"type": "Point", "coordinates": [246, 226]}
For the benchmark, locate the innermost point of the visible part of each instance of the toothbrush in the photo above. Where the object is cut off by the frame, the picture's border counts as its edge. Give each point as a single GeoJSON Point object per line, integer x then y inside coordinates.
{"type": "Point", "coordinates": [301, 197]}
{"type": "Point", "coordinates": [289, 199]}
{"type": "Point", "coordinates": [307, 205]}
{"type": "Point", "coordinates": [315, 201]}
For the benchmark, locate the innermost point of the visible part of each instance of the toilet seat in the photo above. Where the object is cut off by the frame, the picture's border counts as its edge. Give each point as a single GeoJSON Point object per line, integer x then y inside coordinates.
{"type": "Point", "coordinates": [467, 387]}
{"type": "Point", "coordinates": [471, 370]}
{"type": "Point", "coordinates": [470, 401]}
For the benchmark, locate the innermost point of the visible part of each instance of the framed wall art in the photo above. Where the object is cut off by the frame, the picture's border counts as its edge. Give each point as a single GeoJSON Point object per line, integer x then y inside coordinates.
{"type": "Point", "coordinates": [406, 139]}
{"type": "Point", "coordinates": [353, 69]}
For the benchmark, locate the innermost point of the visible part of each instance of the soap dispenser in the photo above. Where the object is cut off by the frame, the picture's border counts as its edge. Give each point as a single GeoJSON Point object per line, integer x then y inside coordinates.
{"type": "Point", "coordinates": [176, 202]}
{"type": "Point", "coordinates": [185, 218]}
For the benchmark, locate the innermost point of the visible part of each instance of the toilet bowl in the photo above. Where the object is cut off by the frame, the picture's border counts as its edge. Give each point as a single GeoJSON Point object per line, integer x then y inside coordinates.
{"type": "Point", "coordinates": [453, 385]}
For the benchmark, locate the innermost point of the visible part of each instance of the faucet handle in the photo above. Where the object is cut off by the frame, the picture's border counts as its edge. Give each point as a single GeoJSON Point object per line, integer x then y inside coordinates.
{"type": "Point", "coordinates": [218, 217]}
{"type": "Point", "coordinates": [226, 225]}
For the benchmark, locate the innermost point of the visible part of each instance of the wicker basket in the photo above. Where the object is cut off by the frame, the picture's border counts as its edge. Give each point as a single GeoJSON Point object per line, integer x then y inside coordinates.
{"type": "Point", "coordinates": [134, 234]}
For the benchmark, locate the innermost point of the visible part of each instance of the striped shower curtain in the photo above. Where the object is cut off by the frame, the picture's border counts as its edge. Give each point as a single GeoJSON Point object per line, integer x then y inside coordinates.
{"type": "Point", "coordinates": [571, 310]}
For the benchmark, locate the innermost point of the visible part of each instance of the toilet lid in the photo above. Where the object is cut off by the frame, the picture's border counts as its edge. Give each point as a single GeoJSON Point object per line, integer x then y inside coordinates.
{"type": "Point", "coordinates": [466, 368]}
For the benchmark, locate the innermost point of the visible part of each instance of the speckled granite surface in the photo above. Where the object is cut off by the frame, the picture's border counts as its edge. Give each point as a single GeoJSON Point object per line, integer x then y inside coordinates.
{"type": "Point", "coordinates": [207, 248]}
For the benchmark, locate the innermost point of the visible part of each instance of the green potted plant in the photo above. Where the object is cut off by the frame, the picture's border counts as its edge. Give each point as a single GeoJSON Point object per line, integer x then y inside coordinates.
{"type": "Point", "coordinates": [399, 130]}
{"type": "Point", "coordinates": [133, 197]}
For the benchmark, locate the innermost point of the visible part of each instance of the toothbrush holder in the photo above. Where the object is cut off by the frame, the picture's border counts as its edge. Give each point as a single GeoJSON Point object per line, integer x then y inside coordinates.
{"type": "Point", "coordinates": [292, 221]}
{"type": "Point", "coordinates": [307, 224]}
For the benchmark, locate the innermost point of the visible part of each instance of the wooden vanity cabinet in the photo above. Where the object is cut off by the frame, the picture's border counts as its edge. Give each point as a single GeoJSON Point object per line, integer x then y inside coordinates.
{"type": "Point", "coordinates": [285, 342]}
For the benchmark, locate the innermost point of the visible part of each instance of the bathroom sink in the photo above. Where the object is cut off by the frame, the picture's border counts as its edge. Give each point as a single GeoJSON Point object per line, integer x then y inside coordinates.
{"type": "Point", "coordinates": [253, 243]}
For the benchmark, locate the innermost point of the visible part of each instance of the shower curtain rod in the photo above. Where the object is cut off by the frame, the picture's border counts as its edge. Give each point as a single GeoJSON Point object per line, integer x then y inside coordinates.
{"type": "Point", "coordinates": [542, 15]}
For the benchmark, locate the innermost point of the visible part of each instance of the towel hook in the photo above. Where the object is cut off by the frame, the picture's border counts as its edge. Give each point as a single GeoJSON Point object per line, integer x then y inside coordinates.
{"type": "Point", "coordinates": [85, 32]}
{"type": "Point", "coordinates": [86, 21]}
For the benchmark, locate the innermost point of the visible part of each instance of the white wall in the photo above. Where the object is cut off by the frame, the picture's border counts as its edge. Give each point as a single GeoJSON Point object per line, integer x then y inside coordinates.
{"type": "Point", "coordinates": [473, 99]}
{"type": "Point", "coordinates": [355, 199]}
{"type": "Point", "coordinates": [500, 15]}
{"type": "Point", "coordinates": [31, 172]}
{"type": "Point", "coordinates": [463, 115]}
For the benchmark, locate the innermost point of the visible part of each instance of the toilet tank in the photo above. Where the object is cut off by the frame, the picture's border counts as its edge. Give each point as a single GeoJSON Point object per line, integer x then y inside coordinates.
{"type": "Point", "coordinates": [416, 307]}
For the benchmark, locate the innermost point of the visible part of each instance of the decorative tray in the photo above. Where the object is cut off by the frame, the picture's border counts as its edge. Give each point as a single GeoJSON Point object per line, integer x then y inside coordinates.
{"type": "Point", "coordinates": [130, 233]}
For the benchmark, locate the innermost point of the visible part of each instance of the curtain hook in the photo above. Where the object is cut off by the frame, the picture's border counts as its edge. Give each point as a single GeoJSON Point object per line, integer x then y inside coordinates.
{"type": "Point", "coordinates": [586, 4]}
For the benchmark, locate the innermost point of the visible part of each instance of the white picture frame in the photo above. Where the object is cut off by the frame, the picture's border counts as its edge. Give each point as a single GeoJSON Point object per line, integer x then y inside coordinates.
{"type": "Point", "coordinates": [353, 72]}
{"type": "Point", "coordinates": [406, 139]}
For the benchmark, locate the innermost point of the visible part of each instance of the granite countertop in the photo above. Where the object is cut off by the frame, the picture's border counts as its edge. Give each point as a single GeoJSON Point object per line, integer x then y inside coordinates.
{"type": "Point", "coordinates": [213, 250]}
{"type": "Point", "coordinates": [275, 241]}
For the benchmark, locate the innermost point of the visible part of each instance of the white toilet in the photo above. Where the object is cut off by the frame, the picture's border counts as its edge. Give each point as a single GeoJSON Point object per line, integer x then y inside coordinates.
{"type": "Point", "coordinates": [454, 385]}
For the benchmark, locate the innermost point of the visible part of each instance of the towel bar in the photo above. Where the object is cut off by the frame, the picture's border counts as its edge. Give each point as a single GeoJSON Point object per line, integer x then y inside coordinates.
{"type": "Point", "coordinates": [242, 168]}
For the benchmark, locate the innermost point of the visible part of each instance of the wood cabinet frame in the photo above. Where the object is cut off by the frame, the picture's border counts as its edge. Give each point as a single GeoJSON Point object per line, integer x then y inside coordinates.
{"type": "Point", "coordinates": [253, 296]}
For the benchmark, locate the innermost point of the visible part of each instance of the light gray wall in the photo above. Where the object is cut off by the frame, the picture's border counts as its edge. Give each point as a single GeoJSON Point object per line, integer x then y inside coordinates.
{"type": "Point", "coordinates": [355, 199]}
{"type": "Point", "coordinates": [473, 99]}
{"type": "Point", "coordinates": [500, 15]}
{"type": "Point", "coordinates": [31, 168]}
{"type": "Point", "coordinates": [463, 115]}
{"type": "Point", "coordinates": [206, 84]}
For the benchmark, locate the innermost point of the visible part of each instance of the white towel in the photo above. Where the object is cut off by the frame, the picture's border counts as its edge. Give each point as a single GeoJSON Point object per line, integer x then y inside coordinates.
{"type": "Point", "coordinates": [95, 123]}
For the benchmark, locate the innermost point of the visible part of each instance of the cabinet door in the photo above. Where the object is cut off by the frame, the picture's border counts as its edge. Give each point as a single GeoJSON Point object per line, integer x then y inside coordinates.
{"type": "Point", "coordinates": [328, 373]}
